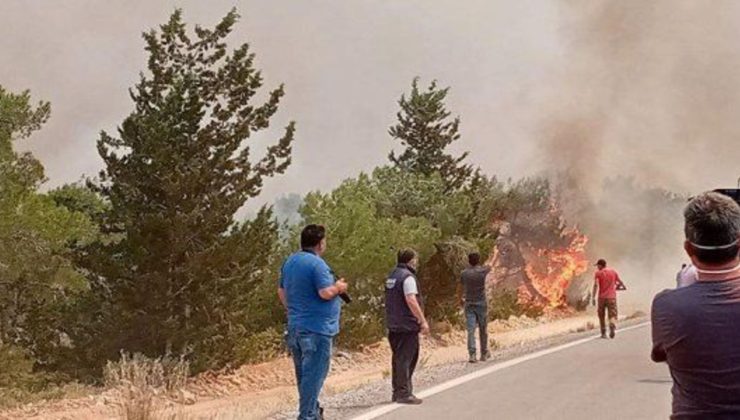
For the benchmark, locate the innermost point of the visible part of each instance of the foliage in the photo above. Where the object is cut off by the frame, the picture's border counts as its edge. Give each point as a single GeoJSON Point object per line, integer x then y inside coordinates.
{"type": "Point", "coordinates": [425, 130]}
{"type": "Point", "coordinates": [263, 345]}
{"type": "Point", "coordinates": [20, 383]}
{"type": "Point", "coordinates": [16, 369]}
{"type": "Point", "coordinates": [465, 213]}
{"type": "Point", "coordinates": [362, 248]}
{"type": "Point", "coordinates": [178, 276]}
{"type": "Point", "coordinates": [79, 198]}
{"type": "Point", "coordinates": [36, 274]}
{"type": "Point", "coordinates": [504, 304]}
{"type": "Point", "coordinates": [440, 275]}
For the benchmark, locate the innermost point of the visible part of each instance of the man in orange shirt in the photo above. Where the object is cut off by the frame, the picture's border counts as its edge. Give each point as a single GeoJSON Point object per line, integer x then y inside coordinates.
{"type": "Point", "coordinates": [606, 282]}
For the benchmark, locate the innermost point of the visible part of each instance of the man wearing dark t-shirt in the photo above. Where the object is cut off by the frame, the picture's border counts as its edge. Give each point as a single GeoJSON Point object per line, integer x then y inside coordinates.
{"type": "Point", "coordinates": [473, 287]}
{"type": "Point", "coordinates": [696, 329]}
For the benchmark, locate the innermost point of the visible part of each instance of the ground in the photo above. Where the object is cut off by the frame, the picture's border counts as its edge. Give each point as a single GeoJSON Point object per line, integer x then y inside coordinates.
{"type": "Point", "coordinates": [358, 380]}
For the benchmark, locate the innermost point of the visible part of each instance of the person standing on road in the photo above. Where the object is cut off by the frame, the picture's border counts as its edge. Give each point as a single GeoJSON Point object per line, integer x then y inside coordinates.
{"type": "Point", "coordinates": [695, 328]}
{"type": "Point", "coordinates": [687, 276]}
{"type": "Point", "coordinates": [405, 320]}
{"type": "Point", "coordinates": [311, 296]}
{"type": "Point", "coordinates": [473, 286]}
{"type": "Point", "coordinates": [606, 282]}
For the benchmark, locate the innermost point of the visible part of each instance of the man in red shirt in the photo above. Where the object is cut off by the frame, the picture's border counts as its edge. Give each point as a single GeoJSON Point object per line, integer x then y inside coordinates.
{"type": "Point", "coordinates": [606, 282]}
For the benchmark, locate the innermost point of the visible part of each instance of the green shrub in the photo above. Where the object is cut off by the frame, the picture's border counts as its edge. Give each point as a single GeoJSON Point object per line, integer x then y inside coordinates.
{"type": "Point", "coordinates": [262, 346]}
{"type": "Point", "coordinates": [19, 383]}
{"type": "Point", "coordinates": [502, 304]}
{"type": "Point", "coordinates": [505, 303]}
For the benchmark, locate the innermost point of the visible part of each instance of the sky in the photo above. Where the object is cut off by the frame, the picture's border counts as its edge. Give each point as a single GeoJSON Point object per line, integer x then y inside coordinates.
{"type": "Point", "coordinates": [591, 88]}
{"type": "Point", "coordinates": [344, 64]}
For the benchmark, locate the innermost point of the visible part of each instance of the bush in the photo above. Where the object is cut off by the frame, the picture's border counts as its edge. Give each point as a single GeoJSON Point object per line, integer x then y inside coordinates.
{"type": "Point", "coordinates": [362, 248]}
{"type": "Point", "coordinates": [440, 276]}
{"type": "Point", "coordinates": [504, 303]}
{"type": "Point", "coordinates": [20, 383]}
{"type": "Point", "coordinates": [262, 346]}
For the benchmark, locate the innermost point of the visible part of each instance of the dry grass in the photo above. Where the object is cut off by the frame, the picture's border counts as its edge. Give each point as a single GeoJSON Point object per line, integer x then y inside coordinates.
{"type": "Point", "coordinates": [142, 384]}
{"type": "Point", "coordinates": [493, 345]}
{"type": "Point", "coordinates": [424, 362]}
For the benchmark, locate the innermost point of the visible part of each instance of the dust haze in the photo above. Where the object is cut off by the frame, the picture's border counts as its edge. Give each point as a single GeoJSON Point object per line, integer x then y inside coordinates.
{"type": "Point", "coordinates": [644, 93]}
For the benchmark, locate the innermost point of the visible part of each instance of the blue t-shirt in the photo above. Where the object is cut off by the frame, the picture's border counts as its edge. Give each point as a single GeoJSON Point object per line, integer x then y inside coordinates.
{"type": "Point", "coordinates": [302, 276]}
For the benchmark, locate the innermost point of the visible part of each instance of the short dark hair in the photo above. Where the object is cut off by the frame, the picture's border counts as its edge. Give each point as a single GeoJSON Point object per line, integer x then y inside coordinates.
{"type": "Point", "coordinates": [601, 262]}
{"type": "Point", "coordinates": [713, 220]}
{"type": "Point", "coordinates": [312, 235]}
{"type": "Point", "coordinates": [406, 255]}
{"type": "Point", "coordinates": [474, 258]}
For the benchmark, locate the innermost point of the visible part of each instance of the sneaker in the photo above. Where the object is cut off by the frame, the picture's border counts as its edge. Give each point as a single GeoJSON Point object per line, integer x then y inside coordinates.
{"type": "Point", "coordinates": [411, 400]}
{"type": "Point", "coordinates": [603, 335]}
{"type": "Point", "coordinates": [612, 331]}
{"type": "Point", "coordinates": [485, 356]}
{"type": "Point", "coordinates": [472, 359]}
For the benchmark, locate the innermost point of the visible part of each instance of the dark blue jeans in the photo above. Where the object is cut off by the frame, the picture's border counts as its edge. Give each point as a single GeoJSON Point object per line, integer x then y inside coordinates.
{"type": "Point", "coordinates": [476, 316]}
{"type": "Point", "coordinates": [311, 357]}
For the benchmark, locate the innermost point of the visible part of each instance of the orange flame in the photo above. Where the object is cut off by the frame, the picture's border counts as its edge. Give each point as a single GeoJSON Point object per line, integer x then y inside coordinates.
{"type": "Point", "coordinates": [552, 270]}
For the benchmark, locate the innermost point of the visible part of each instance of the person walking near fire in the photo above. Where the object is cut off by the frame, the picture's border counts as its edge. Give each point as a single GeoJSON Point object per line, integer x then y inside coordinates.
{"type": "Point", "coordinates": [606, 283]}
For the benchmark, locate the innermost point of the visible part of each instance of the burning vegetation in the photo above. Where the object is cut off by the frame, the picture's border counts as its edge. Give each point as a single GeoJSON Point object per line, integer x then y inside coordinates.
{"type": "Point", "coordinates": [538, 256]}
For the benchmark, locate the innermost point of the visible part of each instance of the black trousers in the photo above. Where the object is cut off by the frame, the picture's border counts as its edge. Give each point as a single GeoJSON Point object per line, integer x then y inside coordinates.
{"type": "Point", "coordinates": [405, 348]}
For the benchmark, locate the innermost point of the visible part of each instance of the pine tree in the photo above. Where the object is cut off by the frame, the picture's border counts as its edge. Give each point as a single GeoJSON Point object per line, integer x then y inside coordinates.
{"type": "Point", "coordinates": [425, 129]}
{"type": "Point", "coordinates": [175, 175]}
{"type": "Point", "coordinates": [36, 274]}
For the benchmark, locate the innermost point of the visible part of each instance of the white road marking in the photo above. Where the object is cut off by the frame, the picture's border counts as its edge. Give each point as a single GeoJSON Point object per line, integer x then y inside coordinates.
{"type": "Point", "coordinates": [373, 414]}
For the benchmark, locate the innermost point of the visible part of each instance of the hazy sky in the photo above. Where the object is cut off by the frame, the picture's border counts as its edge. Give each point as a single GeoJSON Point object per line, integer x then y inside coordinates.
{"type": "Point", "coordinates": [344, 64]}
{"type": "Point", "coordinates": [648, 89]}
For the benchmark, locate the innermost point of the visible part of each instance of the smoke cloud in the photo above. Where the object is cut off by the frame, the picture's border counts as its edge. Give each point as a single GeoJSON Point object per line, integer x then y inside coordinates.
{"type": "Point", "coordinates": [584, 90]}
{"type": "Point", "coordinates": [646, 91]}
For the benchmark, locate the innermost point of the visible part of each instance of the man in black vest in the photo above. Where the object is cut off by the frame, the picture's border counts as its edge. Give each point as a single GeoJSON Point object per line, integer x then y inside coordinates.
{"type": "Point", "coordinates": [405, 320]}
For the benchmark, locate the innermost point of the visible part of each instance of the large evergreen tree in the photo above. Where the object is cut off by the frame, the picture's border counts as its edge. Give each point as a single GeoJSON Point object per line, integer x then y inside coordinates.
{"type": "Point", "coordinates": [425, 129]}
{"type": "Point", "coordinates": [176, 173]}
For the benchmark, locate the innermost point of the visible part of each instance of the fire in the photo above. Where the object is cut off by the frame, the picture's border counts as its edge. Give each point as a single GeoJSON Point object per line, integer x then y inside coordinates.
{"type": "Point", "coordinates": [552, 270]}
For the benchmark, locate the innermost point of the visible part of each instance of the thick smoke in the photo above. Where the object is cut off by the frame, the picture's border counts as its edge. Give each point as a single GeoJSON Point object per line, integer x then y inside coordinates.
{"type": "Point", "coordinates": [647, 100]}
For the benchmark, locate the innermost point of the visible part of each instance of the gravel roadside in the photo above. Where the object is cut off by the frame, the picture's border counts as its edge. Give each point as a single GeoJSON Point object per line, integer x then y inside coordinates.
{"type": "Point", "coordinates": [347, 405]}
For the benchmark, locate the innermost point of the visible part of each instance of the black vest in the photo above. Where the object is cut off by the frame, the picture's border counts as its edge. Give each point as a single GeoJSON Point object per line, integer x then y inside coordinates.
{"type": "Point", "coordinates": [398, 316]}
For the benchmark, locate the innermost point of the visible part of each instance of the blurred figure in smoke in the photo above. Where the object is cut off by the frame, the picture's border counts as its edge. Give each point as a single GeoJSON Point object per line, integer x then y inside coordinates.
{"type": "Point", "coordinates": [686, 276]}
{"type": "Point", "coordinates": [606, 282]}
{"type": "Point", "coordinates": [695, 328]}
{"type": "Point", "coordinates": [678, 275]}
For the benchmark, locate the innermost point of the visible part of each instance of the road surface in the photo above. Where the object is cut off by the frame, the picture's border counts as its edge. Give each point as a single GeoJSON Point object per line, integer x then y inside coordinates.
{"type": "Point", "coordinates": [598, 379]}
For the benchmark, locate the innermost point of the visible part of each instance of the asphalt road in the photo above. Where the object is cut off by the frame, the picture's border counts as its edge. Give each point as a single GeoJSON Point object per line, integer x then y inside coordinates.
{"type": "Point", "coordinates": [598, 379]}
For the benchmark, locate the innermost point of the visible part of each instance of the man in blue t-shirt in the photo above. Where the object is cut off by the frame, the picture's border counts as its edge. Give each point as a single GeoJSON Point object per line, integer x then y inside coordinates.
{"type": "Point", "coordinates": [311, 296]}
